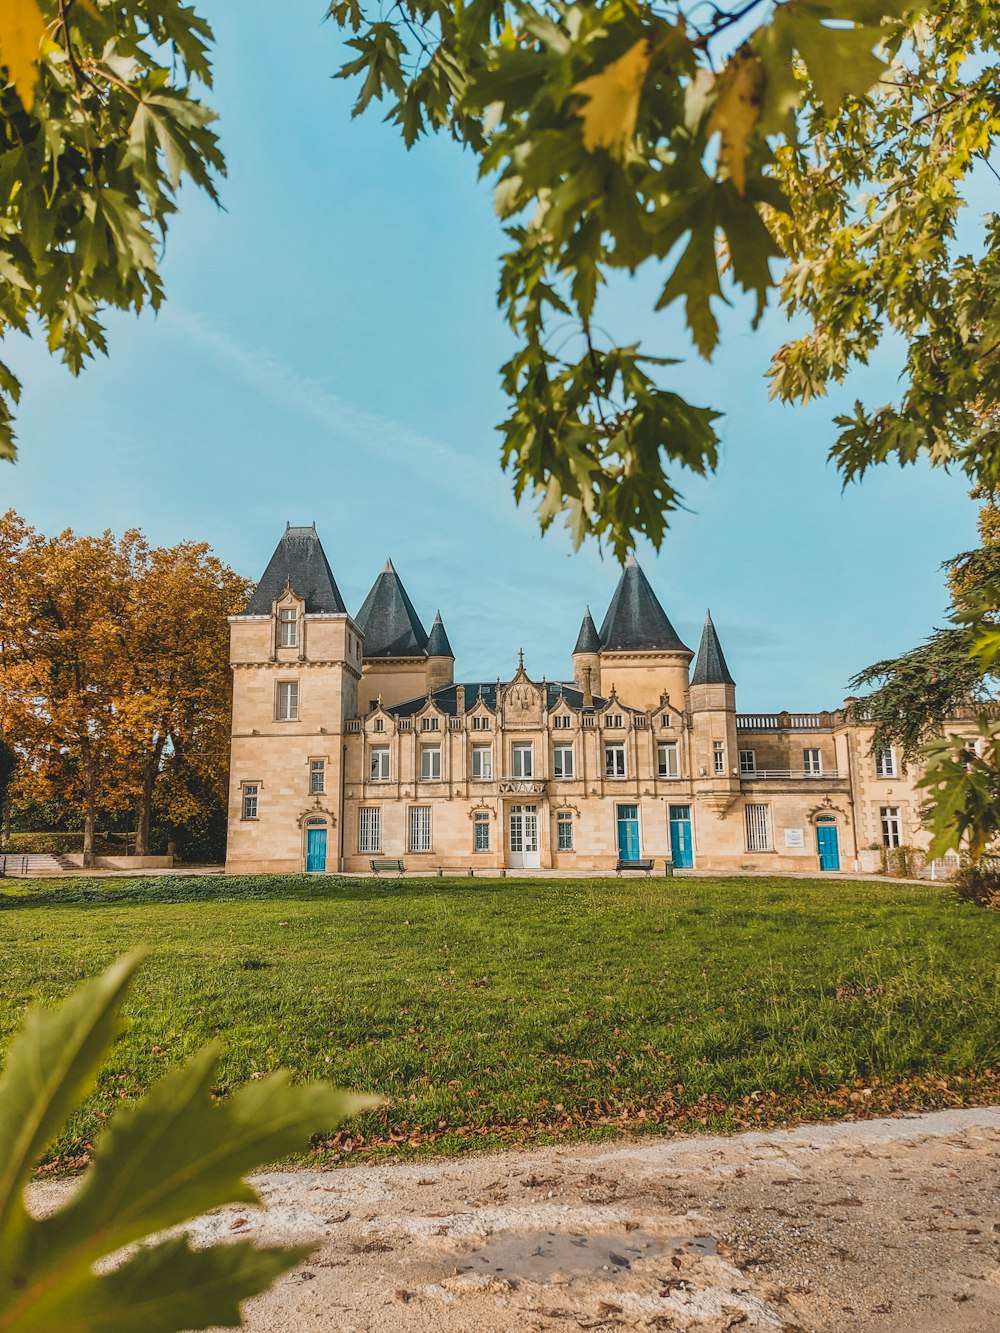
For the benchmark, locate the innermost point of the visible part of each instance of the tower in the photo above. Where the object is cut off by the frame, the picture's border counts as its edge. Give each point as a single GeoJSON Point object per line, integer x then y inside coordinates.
{"type": "Point", "coordinates": [395, 661]}
{"type": "Point", "coordinates": [440, 658]}
{"type": "Point", "coordinates": [641, 653]}
{"type": "Point", "coordinates": [296, 660]}
{"type": "Point", "coordinates": [587, 657]}
{"type": "Point", "coordinates": [712, 696]}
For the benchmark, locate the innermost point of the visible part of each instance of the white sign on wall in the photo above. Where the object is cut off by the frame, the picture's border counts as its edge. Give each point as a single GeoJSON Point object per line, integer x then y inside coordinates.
{"type": "Point", "coordinates": [795, 837]}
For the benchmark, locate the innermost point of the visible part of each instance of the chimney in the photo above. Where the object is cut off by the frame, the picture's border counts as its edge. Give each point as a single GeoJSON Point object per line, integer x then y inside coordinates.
{"type": "Point", "coordinates": [588, 694]}
{"type": "Point", "coordinates": [459, 699]}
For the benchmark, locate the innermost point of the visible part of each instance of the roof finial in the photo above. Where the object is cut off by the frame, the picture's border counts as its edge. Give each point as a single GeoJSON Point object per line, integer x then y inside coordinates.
{"type": "Point", "coordinates": [520, 659]}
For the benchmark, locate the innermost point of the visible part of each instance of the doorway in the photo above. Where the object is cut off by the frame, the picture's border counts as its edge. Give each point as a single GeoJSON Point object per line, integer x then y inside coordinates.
{"type": "Point", "coordinates": [681, 843]}
{"type": "Point", "coordinates": [523, 837]}
{"type": "Point", "coordinates": [827, 843]}
{"type": "Point", "coordinates": [628, 833]}
{"type": "Point", "coordinates": [316, 849]}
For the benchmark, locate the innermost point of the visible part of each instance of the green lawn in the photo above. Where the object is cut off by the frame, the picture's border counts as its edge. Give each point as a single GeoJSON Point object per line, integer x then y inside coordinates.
{"type": "Point", "coordinates": [491, 1010]}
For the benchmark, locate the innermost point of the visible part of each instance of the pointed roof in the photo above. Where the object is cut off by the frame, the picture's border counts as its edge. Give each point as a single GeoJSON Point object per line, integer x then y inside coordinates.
{"type": "Point", "coordinates": [299, 562]}
{"type": "Point", "coordinates": [635, 620]}
{"type": "Point", "coordinates": [437, 642]}
{"type": "Point", "coordinates": [588, 640]}
{"type": "Point", "coordinates": [388, 621]}
{"type": "Point", "coordinates": [710, 668]}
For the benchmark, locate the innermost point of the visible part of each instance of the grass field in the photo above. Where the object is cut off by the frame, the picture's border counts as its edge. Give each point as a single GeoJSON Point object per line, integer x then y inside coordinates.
{"type": "Point", "coordinates": [496, 1010]}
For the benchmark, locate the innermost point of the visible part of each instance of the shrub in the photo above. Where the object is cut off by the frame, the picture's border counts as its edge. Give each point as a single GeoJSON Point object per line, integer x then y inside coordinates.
{"type": "Point", "coordinates": [903, 862]}
{"type": "Point", "coordinates": [979, 882]}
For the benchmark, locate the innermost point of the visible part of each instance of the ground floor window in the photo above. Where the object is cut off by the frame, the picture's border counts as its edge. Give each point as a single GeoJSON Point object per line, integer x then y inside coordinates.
{"type": "Point", "coordinates": [250, 792]}
{"type": "Point", "coordinates": [758, 822]}
{"type": "Point", "coordinates": [564, 830]}
{"type": "Point", "coordinates": [892, 826]}
{"type": "Point", "coordinates": [369, 829]}
{"type": "Point", "coordinates": [481, 832]}
{"type": "Point", "coordinates": [420, 828]}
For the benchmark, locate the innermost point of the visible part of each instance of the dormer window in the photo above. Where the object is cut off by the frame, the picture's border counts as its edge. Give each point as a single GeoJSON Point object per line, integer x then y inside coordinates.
{"type": "Point", "coordinates": [378, 725]}
{"type": "Point", "coordinates": [429, 724]}
{"type": "Point", "coordinates": [288, 622]}
{"type": "Point", "coordinates": [561, 721]}
{"type": "Point", "coordinates": [480, 723]}
{"type": "Point", "coordinates": [613, 720]}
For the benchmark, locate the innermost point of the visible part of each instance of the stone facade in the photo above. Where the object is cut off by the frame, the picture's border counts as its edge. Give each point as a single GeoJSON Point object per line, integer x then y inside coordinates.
{"type": "Point", "coordinates": [352, 740]}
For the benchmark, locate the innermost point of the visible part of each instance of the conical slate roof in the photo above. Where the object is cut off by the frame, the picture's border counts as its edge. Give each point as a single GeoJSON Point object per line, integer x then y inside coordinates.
{"type": "Point", "coordinates": [299, 562]}
{"type": "Point", "coordinates": [588, 640]}
{"type": "Point", "coordinates": [388, 621]}
{"type": "Point", "coordinates": [710, 668]}
{"type": "Point", "coordinates": [437, 642]}
{"type": "Point", "coordinates": [635, 620]}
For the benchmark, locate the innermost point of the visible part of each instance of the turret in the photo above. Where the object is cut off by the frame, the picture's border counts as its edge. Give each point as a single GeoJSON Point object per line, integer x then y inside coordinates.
{"type": "Point", "coordinates": [639, 648]}
{"type": "Point", "coordinates": [440, 658]}
{"type": "Point", "coordinates": [712, 698]}
{"type": "Point", "coordinates": [395, 660]}
{"type": "Point", "coordinates": [587, 656]}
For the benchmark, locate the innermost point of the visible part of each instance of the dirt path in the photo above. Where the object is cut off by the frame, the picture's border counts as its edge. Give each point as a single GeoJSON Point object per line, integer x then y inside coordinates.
{"type": "Point", "coordinates": [883, 1224]}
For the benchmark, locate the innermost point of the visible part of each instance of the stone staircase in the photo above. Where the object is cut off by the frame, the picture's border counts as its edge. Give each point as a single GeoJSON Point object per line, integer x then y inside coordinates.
{"type": "Point", "coordinates": [34, 864]}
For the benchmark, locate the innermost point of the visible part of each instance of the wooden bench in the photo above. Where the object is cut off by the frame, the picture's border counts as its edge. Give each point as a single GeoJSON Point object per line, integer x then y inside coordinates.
{"type": "Point", "coordinates": [388, 864]}
{"type": "Point", "coordinates": [624, 864]}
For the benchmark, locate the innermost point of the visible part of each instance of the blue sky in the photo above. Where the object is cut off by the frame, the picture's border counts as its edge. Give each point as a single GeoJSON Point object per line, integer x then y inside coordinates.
{"type": "Point", "coordinates": [329, 351]}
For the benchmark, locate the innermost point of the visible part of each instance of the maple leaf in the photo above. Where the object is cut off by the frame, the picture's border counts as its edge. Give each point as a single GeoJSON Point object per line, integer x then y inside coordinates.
{"type": "Point", "coordinates": [612, 105]}
{"type": "Point", "coordinates": [737, 111]}
{"type": "Point", "coordinates": [21, 32]}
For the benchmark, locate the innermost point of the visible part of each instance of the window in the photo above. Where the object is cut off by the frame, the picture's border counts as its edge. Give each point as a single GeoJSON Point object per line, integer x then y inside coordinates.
{"type": "Point", "coordinates": [370, 829]}
{"type": "Point", "coordinates": [420, 828]}
{"type": "Point", "coordinates": [885, 766]}
{"type": "Point", "coordinates": [379, 768]}
{"type": "Point", "coordinates": [317, 777]}
{"type": "Point", "coordinates": [524, 761]}
{"type": "Point", "coordinates": [667, 760]}
{"type": "Point", "coordinates": [482, 762]}
{"type": "Point", "coordinates": [614, 761]}
{"type": "Point", "coordinates": [892, 826]}
{"type": "Point", "coordinates": [250, 790]}
{"type": "Point", "coordinates": [430, 763]}
{"type": "Point", "coordinates": [718, 757]}
{"type": "Point", "coordinates": [481, 832]}
{"type": "Point", "coordinates": [562, 761]}
{"type": "Point", "coordinates": [480, 723]}
{"type": "Point", "coordinates": [748, 762]}
{"type": "Point", "coordinates": [429, 724]}
{"type": "Point", "coordinates": [561, 721]}
{"type": "Point", "coordinates": [812, 761]}
{"type": "Point", "coordinates": [288, 700]}
{"type": "Point", "coordinates": [758, 821]}
{"type": "Point", "coordinates": [378, 724]}
{"type": "Point", "coordinates": [288, 619]}
{"type": "Point", "coordinates": [613, 720]}
{"type": "Point", "coordinates": [564, 830]}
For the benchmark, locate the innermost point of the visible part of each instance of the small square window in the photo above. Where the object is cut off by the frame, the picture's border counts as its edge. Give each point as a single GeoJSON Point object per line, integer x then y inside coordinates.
{"type": "Point", "coordinates": [378, 724]}
{"type": "Point", "coordinates": [480, 723]}
{"type": "Point", "coordinates": [614, 720]}
{"type": "Point", "coordinates": [562, 721]}
{"type": "Point", "coordinates": [429, 724]}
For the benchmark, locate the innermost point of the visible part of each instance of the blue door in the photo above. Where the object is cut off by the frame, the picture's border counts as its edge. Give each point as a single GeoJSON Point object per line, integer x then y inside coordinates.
{"type": "Point", "coordinates": [829, 846]}
{"type": "Point", "coordinates": [628, 832]}
{"type": "Point", "coordinates": [316, 849]}
{"type": "Point", "coordinates": [681, 846]}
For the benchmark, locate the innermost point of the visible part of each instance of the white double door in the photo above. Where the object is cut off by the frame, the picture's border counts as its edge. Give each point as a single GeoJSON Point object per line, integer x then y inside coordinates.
{"type": "Point", "coordinates": [523, 834]}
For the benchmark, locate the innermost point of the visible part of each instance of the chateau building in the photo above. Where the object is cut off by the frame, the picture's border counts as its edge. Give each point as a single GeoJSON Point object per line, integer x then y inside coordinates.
{"type": "Point", "coordinates": [353, 740]}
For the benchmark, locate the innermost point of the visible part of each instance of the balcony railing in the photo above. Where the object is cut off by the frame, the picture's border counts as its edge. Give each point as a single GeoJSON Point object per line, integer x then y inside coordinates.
{"type": "Point", "coordinates": [772, 774]}
{"type": "Point", "coordinates": [786, 721]}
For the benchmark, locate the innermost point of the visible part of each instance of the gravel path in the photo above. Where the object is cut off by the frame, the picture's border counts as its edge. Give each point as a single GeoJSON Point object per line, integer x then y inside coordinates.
{"type": "Point", "coordinates": [882, 1224]}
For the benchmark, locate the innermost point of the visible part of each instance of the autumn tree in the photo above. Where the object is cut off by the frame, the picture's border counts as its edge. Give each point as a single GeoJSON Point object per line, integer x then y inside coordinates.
{"type": "Point", "coordinates": [8, 763]}
{"type": "Point", "coordinates": [113, 657]}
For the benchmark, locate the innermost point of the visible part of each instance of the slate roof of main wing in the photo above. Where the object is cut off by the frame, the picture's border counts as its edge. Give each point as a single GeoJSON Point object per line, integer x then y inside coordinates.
{"type": "Point", "coordinates": [446, 699]}
{"type": "Point", "coordinates": [299, 561]}
{"type": "Point", "coordinates": [389, 621]}
{"type": "Point", "coordinates": [711, 668]}
{"type": "Point", "coordinates": [635, 620]}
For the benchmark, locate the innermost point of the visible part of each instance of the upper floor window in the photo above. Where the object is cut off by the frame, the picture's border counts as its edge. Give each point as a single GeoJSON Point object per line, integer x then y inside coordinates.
{"type": "Point", "coordinates": [378, 724]}
{"type": "Point", "coordinates": [892, 826]}
{"type": "Point", "coordinates": [480, 722]}
{"type": "Point", "coordinates": [562, 761]}
{"type": "Point", "coordinates": [885, 765]}
{"type": "Point", "coordinates": [429, 724]}
{"type": "Point", "coordinates": [482, 762]}
{"type": "Point", "coordinates": [523, 761]}
{"type": "Point", "coordinates": [250, 791]}
{"type": "Point", "coordinates": [614, 761]}
{"type": "Point", "coordinates": [667, 760]}
{"type": "Point", "coordinates": [613, 720]}
{"type": "Point", "coordinates": [379, 767]}
{"type": "Point", "coordinates": [718, 757]}
{"type": "Point", "coordinates": [288, 700]}
{"type": "Point", "coordinates": [430, 763]}
{"type": "Point", "coordinates": [317, 777]}
{"type": "Point", "coordinates": [562, 721]}
{"type": "Point", "coordinates": [812, 761]}
{"type": "Point", "coordinates": [748, 762]}
{"type": "Point", "coordinates": [288, 621]}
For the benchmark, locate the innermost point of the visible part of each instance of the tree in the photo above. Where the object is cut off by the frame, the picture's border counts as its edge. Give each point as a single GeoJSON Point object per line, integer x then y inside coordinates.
{"type": "Point", "coordinates": [8, 763]}
{"type": "Point", "coordinates": [98, 125]}
{"type": "Point", "coordinates": [114, 661]}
